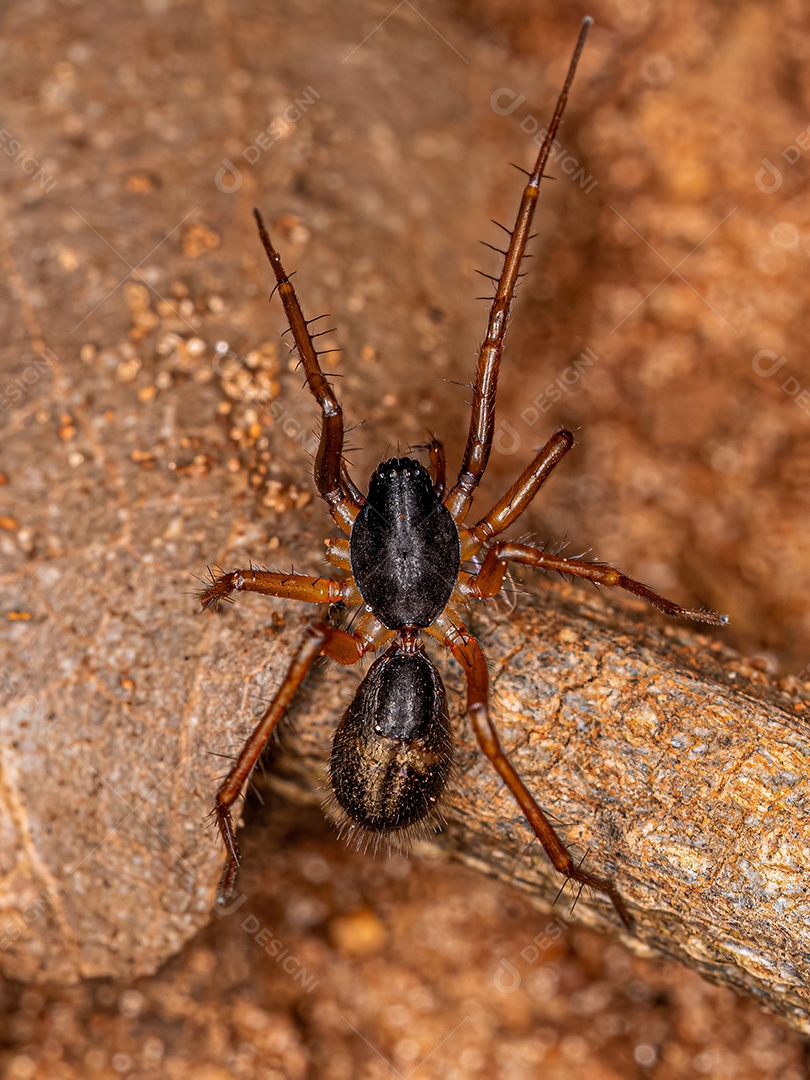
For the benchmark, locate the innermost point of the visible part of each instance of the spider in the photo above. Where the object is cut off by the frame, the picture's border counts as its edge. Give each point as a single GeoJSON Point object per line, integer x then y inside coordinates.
{"type": "Point", "coordinates": [402, 559]}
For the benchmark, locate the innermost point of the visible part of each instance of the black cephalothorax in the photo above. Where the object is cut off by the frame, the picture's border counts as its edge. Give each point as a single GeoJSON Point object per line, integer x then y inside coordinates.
{"type": "Point", "coordinates": [402, 560]}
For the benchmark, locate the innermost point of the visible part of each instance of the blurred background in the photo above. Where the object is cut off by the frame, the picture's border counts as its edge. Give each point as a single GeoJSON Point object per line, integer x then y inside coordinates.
{"type": "Point", "coordinates": [143, 384]}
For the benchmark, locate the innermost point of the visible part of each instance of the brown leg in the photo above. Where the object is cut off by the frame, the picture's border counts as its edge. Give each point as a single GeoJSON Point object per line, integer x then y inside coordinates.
{"type": "Point", "coordinates": [329, 466]}
{"type": "Point", "coordinates": [437, 465]}
{"type": "Point", "coordinates": [467, 651]}
{"type": "Point", "coordinates": [482, 421]}
{"type": "Point", "coordinates": [319, 640]}
{"type": "Point", "coordinates": [290, 586]}
{"type": "Point", "coordinates": [354, 491]}
{"type": "Point", "coordinates": [337, 552]}
{"type": "Point", "coordinates": [509, 508]}
{"type": "Point", "coordinates": [490, 577]}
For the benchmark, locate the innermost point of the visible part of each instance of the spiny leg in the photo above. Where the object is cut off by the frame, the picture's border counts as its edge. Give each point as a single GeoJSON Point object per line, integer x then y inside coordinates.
{"type": "Point", "coordinates": [511, 505]}
{"type": "Point", "coordinates": [489, 579]}
{"type": "Point", "coordinates": [319, 639]}
{"type": "Point", "coordinates": [451, 632]}
{"type": "Point", "coordinates": [482, 421]}
{"type": "Point", "coordinates": [313, 590]}
{"type": "Point", "coordinates": [330, 469]}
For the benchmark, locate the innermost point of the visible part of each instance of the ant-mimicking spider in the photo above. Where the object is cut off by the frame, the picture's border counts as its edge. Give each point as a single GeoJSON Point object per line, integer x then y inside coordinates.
{"type": "Point", "coordinates": [402, 559]}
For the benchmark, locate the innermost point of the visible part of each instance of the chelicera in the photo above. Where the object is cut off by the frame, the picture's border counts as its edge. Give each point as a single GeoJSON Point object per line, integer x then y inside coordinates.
{"type": "Point", "coordinates": [412, 562]}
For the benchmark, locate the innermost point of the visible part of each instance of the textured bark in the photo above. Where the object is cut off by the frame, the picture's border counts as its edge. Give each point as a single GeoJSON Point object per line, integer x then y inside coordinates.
{"type": "Point", "coordinates": [678, 767]}
{"type": "Point", "coordinates": [133, 455]}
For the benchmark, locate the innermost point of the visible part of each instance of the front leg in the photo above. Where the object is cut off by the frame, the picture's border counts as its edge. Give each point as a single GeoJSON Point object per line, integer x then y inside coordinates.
{"type": "Point", "coordinates": [331, 472]}
{"type": "Point", "coordinates": [489, 579]}
{"type": "Point", "coordinates": [482, 420]}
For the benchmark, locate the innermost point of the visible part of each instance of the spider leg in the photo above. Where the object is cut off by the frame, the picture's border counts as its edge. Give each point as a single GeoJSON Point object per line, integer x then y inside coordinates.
{"type": "Point", "coordinates": [337, 552]}
{"type": "Point", "coordinates": [487, 582]}
{"type": "Point", "coordinates": [451, 631]}
{"type": "Point", "coordinates": [482, 420]}
{"type": "Point", "coordinates": [511, 505]}
{"type": "Point", "coordinates": [319, 640]}
{"type": "Point", "coordinates": [353, 490]}
{"type": "Point", "coordinates": [438, 468]}
{"type": "Point", "coordinates": [330, 469]}
{"type": "Point", "coordinates": [313, 590]}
